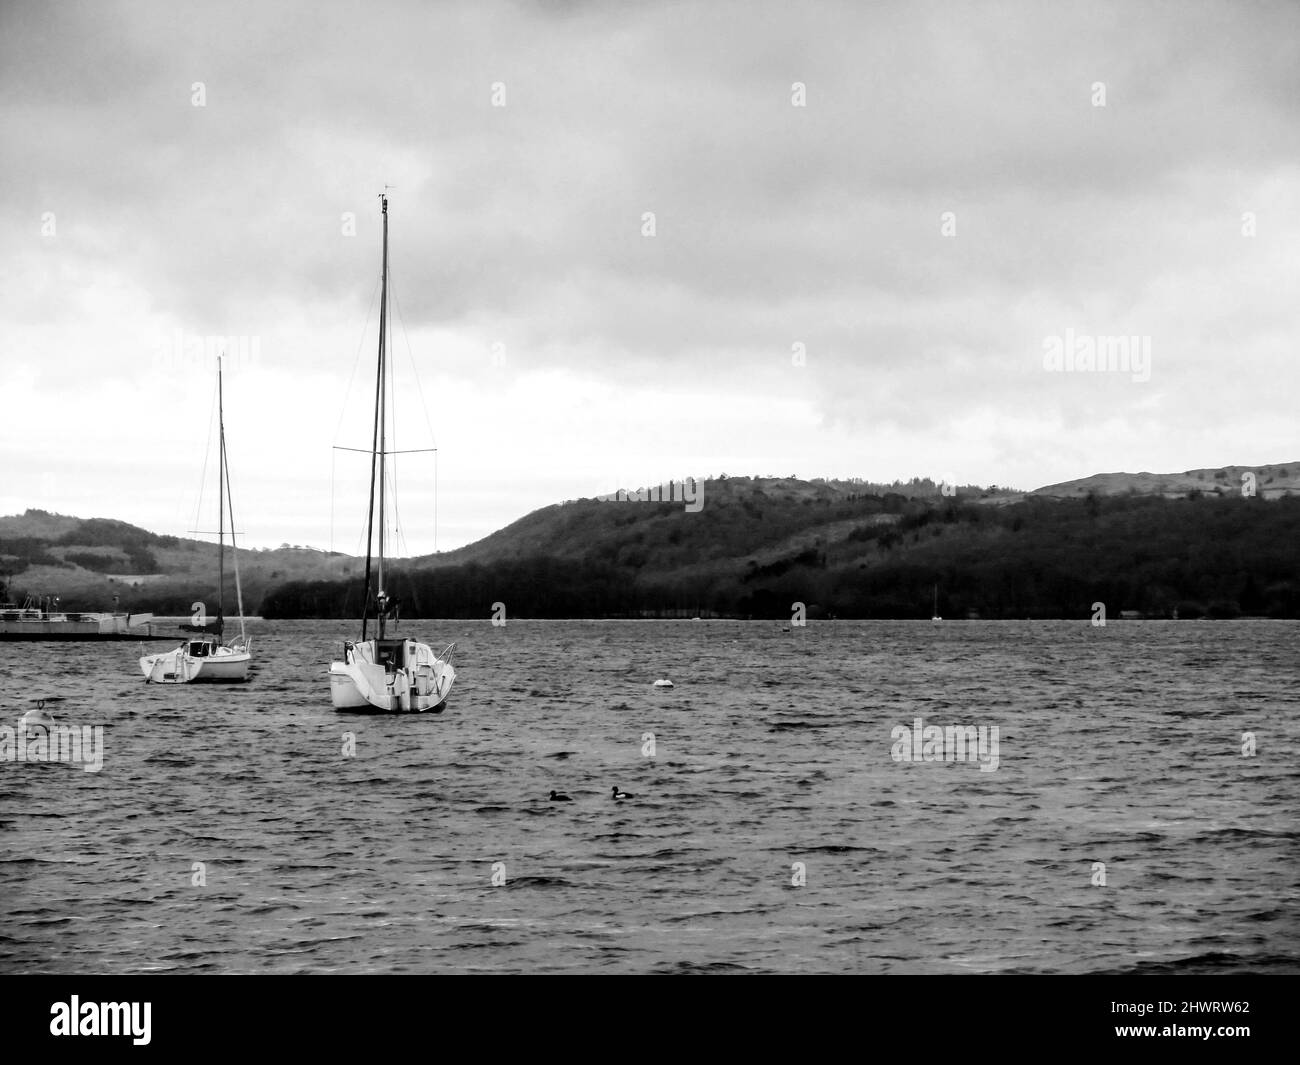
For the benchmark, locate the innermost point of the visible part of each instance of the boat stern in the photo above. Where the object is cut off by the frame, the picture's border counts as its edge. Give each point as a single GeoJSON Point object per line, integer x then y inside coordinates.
{"type": "Point", "coordinates": [344, 693]}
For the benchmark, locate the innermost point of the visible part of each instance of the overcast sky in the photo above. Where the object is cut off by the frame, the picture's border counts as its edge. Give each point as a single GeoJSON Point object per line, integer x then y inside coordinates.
{"type": "Point", "coordinates": [914, 199]}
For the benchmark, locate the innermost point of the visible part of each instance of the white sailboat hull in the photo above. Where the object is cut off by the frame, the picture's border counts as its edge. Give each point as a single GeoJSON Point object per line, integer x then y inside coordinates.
{"type": "Point", "coordinates": [386, 675]}
{"type": "Point", "coordinates": [223, 665]}
{"type": "Point", "coordinates": [390, 677]}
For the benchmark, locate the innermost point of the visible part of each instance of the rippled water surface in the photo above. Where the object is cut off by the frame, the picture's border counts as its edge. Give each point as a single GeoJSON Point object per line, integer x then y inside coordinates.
{"type": "Point", "coordinates": [1119, 745]}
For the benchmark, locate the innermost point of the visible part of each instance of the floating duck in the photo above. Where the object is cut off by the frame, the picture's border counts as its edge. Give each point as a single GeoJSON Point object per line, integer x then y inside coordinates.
{"type": "Point", "coordinates": [558, 797]}
{"type": "Point", "coordinates": [621, 794]}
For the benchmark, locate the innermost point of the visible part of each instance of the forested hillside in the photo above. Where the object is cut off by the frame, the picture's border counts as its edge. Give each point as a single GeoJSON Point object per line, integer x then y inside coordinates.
{"type": "Point", "coordinates": [752, 547]}
{"type": "Point", "coordinates": [85, 562]}
{"type": "Point", "coordinates": [756, 552]}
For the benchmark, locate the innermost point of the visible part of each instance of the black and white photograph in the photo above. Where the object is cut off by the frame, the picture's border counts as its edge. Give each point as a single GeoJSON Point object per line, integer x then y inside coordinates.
{"type": "Point", "coordinates": [558, 487]}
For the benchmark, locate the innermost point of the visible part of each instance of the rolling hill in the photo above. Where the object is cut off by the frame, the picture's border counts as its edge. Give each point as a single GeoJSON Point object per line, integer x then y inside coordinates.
{"type": "Point", "coordinates": [1146, 544]}
{"type": "Point", "coordinates": [760, 545]}
{"type": "Point", "coordinates": [88, 561]}
{"type": "Point", "coordinates": [1270, 482]}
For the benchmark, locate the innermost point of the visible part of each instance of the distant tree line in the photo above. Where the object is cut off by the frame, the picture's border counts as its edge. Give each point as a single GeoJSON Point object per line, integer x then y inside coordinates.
{"type": "Point", "coordinates": [1218, 557]}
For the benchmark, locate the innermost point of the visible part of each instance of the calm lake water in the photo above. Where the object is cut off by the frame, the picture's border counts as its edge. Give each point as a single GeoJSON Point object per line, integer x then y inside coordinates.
{"type": "Point", "coordinates": [1119, 745]}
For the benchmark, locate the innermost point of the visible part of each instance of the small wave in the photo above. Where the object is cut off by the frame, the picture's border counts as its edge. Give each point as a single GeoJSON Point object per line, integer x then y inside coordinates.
{"type": "Point", "coordinates": [1213, 962]}
{"type": "Point", "coordinates": [705, 968]}
{"type": "Point", "coordinates": [537, 881]}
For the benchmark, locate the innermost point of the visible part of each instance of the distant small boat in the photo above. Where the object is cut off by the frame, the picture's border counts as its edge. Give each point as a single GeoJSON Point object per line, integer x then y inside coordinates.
{"type": "Point", "coordinates": [935, 615]}
{"type": "Point", "coordinates": [206, 658]}
{"type": "Point", "coordinates": [40, 618]}
{"type": "Point", "coordinates": [664, 683]}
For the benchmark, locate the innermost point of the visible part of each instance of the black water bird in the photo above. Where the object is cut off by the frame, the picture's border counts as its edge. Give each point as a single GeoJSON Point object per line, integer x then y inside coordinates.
{"type": "Point", "coordinates": [621, 794]}
{"type": "Point", "coordinates": [557, 797]}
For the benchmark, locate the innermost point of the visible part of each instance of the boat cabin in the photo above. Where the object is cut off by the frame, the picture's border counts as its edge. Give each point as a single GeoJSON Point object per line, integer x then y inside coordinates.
{"type": "Point", "coordinates": [391, 654]}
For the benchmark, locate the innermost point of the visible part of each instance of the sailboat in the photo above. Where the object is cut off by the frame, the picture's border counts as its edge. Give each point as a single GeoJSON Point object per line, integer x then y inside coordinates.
{"type": "Point", "coordinates": [384, 673]}
{"type": "Point", "coordinates": [935, 614]}
{"type": "Point", "coordinates": [205, 657]}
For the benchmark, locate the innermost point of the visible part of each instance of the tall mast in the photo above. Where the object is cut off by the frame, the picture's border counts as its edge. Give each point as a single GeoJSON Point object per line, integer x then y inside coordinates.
{"type": "Point", "coordinates": [383, 405]}
{"type": "Point", "coordinates": [375, 446]}
{"type": "Point", "coordinates": [230, 505]}
{"type": "Point", "coordinates": [221, 504]}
